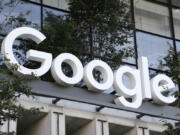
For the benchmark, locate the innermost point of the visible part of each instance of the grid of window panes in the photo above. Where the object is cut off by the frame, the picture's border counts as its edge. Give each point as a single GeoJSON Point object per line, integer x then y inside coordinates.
{"type": "Point", "coordinates": [157, 30]}
{"type": "Point", "coordinates": [157, 25]}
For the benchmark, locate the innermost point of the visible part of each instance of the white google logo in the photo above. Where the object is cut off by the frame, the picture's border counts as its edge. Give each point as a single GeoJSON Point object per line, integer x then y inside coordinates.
{"type": "Point", "coordinates": [143, 87]}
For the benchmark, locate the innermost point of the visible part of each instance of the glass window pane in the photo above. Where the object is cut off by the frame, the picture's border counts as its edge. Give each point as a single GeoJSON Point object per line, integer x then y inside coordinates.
{"type": "Point", "coordinates": [178, 47]}
{"type": "Point", "coordinates": [176, 17]}
{"type": "Point", "coordinates": [61, 4]}
{"type": "Point", "coordinates": [175, 2]}
{"type": "Point", "coordinates": [152, 17]}
{"type": "Point", "coordinates": [1, 39]}
{"type": "Point", "coordinates": [18, 14]}
{"type": "Point", "coordinates": [153, 73]}
{"type": "Point", "coordinates": [131, 55]}
{"type": "Point", "coordinates": [17, 52]}
{"type": "Point", "coordinates": [125, 79]}
{"type": "Point", "coordinates": [153, 47]}
{"type": "Point", "coordinates": [50, 15]}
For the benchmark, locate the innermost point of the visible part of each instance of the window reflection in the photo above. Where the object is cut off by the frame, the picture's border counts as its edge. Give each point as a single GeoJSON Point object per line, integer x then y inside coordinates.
{"type": "Point", "coordinates": [50, 15]}
{"type": "Point", "coordinates": [153, 73]}
{"type": "Point", "coordinates": [153, 47]}
{"type": "Point", "coordinates": [130, 56]}
{"type": "Point", "coordinates": [1, 39]}
{"type": "Point", "coordinates": [18, 53]}
{"type": "Point", "coordinates": [178, 54]}
{"type": "Point", "coordinates": [125, 79]}
{"type": "Point", "coordinates": [176, 17]}
{"type": "Point", "coordinates": [61, 4]}
{"type": "Point", "coordinates": [178, 47]}
{"type": "Point", "coordinates": [175, 2]}
{"type": "Point", "coordinates": [152, 17]}
{"type": "Point", "coordinates": [18, 13]}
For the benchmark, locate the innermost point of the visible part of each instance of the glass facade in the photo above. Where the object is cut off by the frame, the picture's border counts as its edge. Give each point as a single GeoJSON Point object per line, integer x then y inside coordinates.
{"type": "Point", "coordinates": [49, 15]}
{"type": "Point", "coordinates": [19, 14]}
{"type": "Point", "coordinates": [60, 4]}
{"type": "Point", "coordinates": [157, 24]}
{"type": "Point", "coordinates": [176, 20]}
{"type": "Point", "coordinates": [178, 47]}
{"type": "Point", "coordinates": [152, 17]}
{"type": "Point", "coordinates": [154, 48]}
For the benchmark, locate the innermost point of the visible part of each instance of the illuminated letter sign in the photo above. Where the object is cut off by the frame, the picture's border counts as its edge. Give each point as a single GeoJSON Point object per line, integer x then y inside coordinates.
{"type": "Point", "coordinates": [143, 87]}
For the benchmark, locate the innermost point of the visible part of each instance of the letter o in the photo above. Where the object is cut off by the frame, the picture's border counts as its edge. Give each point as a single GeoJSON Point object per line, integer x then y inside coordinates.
{"type": "Point", "coordinates": [59, 76]}
{"type": "Point", "coordinates": [89, 79]}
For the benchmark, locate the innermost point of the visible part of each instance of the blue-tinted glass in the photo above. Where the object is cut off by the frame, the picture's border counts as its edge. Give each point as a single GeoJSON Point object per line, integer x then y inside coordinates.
{"type": "Point", "coordinates": [18, 53]}
{"type": "Point", "coordinates": [178, 53]}
{"type": "Point", "coordinates": [18, 14]}
{"type": "Point", "coordinates": [129, 48]}
{"type": "Point", "coordinates": [178, 47]}
{"type": "Point", "coordinates": [1, 39]}
{"type": "Point", "coordinates": [126, 80]}
{"type": "Point", "coordinates": [51, 15]}
{"type": "Point", "coordinates": [153, 73]}
{"type": "Point", "coordinates": [154, 48]}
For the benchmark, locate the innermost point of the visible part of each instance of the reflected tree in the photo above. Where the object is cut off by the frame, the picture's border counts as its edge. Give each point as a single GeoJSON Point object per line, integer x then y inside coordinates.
{"type": "Point", "coordinates": [104, 28]}
{"type": "Point", "coordinates": [92, 29]}
{"type": "Point", "coordinates": [11, 88]}
{"type": "Point", "coordinates": [172, 61]}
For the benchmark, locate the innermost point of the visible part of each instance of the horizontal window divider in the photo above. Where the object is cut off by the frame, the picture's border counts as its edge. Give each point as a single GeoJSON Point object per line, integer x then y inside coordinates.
{"type": "Point", "coordinates": [160, 3]}
{"type": "Point", "coordinates": [158, 70]}
{"type": "Point", "coordinates": [32, 2]}
{"type": "Point", "coordinates": [147, 32]}
{"type": "Point", "coordinates": [47, 6]}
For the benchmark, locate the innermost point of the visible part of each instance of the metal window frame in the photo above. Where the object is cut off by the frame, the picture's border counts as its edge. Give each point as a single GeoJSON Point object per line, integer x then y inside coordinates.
{"type": "Point", "coordinates": [169, 5]}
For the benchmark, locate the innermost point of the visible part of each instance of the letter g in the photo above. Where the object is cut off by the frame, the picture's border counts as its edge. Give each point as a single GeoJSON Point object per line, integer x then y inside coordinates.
{"type": "Point", "coordinates": [10, 60]}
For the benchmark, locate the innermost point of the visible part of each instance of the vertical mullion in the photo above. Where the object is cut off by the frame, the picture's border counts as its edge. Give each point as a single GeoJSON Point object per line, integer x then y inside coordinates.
{"type": "Point", "coordinates": [41, 14]}
{"type": "Point", "coordinates": [134, 30]}
{"type": "Point", "coordinates": [172, 25]}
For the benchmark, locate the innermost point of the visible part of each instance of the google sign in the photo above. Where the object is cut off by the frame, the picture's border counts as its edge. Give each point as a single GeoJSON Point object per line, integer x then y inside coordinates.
{"type": "Point", "coordinates": [143, 87]}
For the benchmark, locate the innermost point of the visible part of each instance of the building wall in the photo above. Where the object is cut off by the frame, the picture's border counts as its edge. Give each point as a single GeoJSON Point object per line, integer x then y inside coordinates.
{"type": "Point", "coordinates": [67, 121]}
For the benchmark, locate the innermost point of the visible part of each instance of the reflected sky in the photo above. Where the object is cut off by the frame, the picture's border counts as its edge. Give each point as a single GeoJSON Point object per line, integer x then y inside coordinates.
{"type": "Point", "coordinates": [153, 47]}
{"type": "Point", "coordinates": [15, 10]}
{"type": "Point", "coordinates": [178, 47]}
{"type": "Point", "coordinates": [50, 14]}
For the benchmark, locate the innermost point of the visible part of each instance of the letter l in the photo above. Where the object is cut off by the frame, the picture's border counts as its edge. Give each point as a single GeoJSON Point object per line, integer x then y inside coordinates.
{"type": "Point", "coordinates": [145, 81]}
